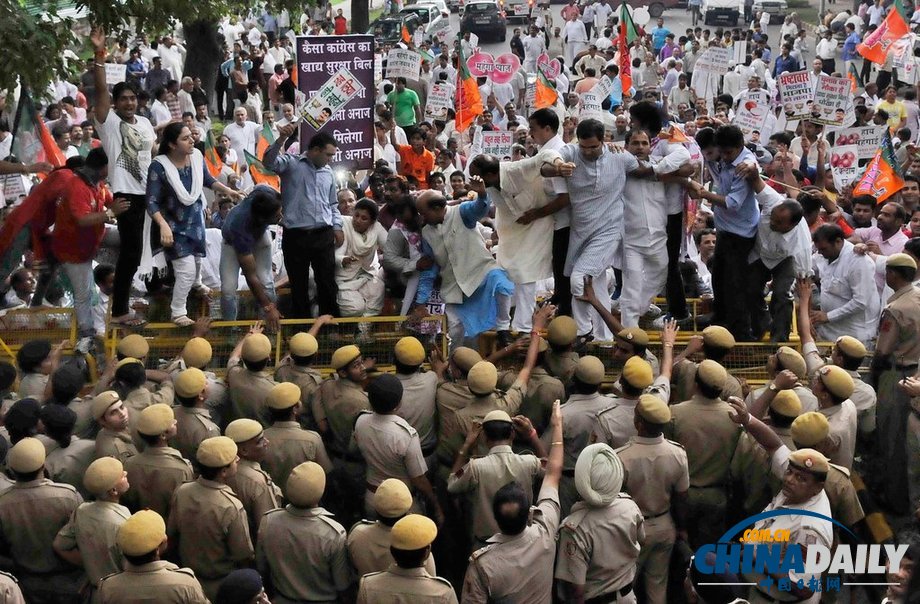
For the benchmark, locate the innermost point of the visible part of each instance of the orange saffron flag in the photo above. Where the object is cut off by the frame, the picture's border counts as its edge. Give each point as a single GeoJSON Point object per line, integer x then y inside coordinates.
{"type": "Point", "coordinates": [882, 178]}
{"type": "Point", "coordinates": [469, 102]}
{"type": "Point", "coordinates": [545, 94]}
{"type": "Point", "coordinates": [879, 43]}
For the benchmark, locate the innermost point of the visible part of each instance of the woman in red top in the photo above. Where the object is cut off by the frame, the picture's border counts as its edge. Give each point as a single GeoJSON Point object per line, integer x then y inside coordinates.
{"type": "Point", "coordinates": [341, 24]}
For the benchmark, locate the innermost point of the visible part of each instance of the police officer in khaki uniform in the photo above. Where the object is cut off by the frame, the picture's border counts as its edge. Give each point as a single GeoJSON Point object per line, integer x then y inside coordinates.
{"type": "Point", "coordinates": [193, 421]}
{"type": "Point", "coordinates": [633, 342]}
{"type": "Point", "coordinates": [89, 539]}
{"type": "Point", "coordinates": [418, 398]}
{"type": "Point", "coordinates": [897, 351]}
{"type": "Point", "coordinates": [207, 526]}
{"type": "Point", "coordinates": [158, 470]}
{"type": "Point", "coordinates": [247, 377]}
{"type": "Point", "coordinates": [142, 540]}
{"type": "Point", "coordinates": [114, 439]}
{"type": "Point", "coordinates": [786, 359]}
{"type": "Point", "coordinates": [833, 386]}
{"type": "Point", "coordinates": [291, 444]}
{"type": "Point", "coordinates": [542, 390]}
{"type": "Point", "coordinates": [130, 379]}
{"type": "Point", "coordinates": [9, 589]}
{"type": "Point", "coordinates": [197, 354]}
{"type": "Point", "coordinates": [251, 484]}
{"type": "Point", "coordinates": [560, 359]}
{"type": "Point", "coordinates": [657, 478]}
{"type": "Point", "coordinates": [408, 580]}
{"type": "Point", "coordinates": [599, 541]}
{"type": "Point", "coordinates": [715, 343]}
{"type": "Point", "coordinates": [301, 549]}
{"type": "Point", "coordinates": [389, 445]}
{"type": "Point", "coordinates": [452, 395]}
{"type": "Point", "coordinates": [32, 512]}
{"type": "Point", "coordinates": [67, 456]}
{"type": "Point", "coordinates": [614, 424]}
{"type": "Point", "coordinates": [482, 477]}
{"type": "Point", "coordinates": [369, 540]}
{"type": "Point", "coordinates": [703, 427]}
{"type": "Point", "coordinates": [297, 367]}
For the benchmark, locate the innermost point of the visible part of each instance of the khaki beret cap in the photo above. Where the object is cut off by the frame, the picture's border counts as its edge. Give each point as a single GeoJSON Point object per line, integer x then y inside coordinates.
{"type": "Point", "coordinates": [127, 361]}
{"type": "Point", "coordinates": [851, 347]}
{"type": "Point", "coordinates": [653, 410]}
{"type": "Point", "coordinates": [103, 401]}
{"type": "Point", "coordinates": [133, 345]}
{"type": "Point", "coordinates": [562, 331]}
{"type": "Point", "coordinates": [344, 355]}
{"type": "Point", "coordinates": [810, 428]}
{"type": "Point", "coordinates": [712, 374]}
{"type": "Point", "coordinates": [901, 260]}
{"type": "Point", "coordinates": [256, 347]}
{"type": "Point", "coordinates": [392, 498]}
{"type": "Point", "coordinates": [28, 455]}
{"type": "Point", "coordinates": [156, 419]}
{"type": "Point", "coordinates": [216, 452]}
{"type": "Point", "coordinates": [190, 382]}
{"type": "Point", "coordinates": [102, 475]}
{"type": "Point", "coordinates": [306, 484]}
{"type": "Point", "coordinates": [196, 352]}
{"type": "Point", "coordinates": [283, 396]}
{"type": "Point", "coordinates": [810, 460]}
{"type": "Point", "coordinates": [482, 378]}
{"type": "Point", "coordinates": [634, 335]}
{"type": "Point", "coordinates": [413, 532]}
{"type": "Point", "coordinates": [792, 360]}
{"type": "Point", "coordinates": [409, 351]}
{"type": "Point", "coordinates": [637, 373]}
{"type": "Point", "coordinates": [465, 358]}
{"type": "Point", "coordinates": [141, 533]}
{"type": "Point", "coordinates": [787, 403]}
{"type": "Point", "coordinates": [303, 344]}
{"type": "Point", "coordinates": [241, 430]}
{"type": "Point", "coordinates": [497, 415]}
{"type": "Point", "coordinates": [718, 337]}
{"type": "Point", "coordinates": [590, 370]}
{"type": "Point", "coordinates": [836, 380]}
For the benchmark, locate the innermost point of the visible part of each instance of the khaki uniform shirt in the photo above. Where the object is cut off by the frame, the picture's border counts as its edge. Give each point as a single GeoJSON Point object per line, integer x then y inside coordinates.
{"type": "Point", "coordinates": [86, 426]}
{"type": "Point", "coordinates": [684, 380]}
{"type": "Point", "coordinates": [115, 444]}
{"type": "Point", "coordinates": [9, 590]}
{"type": "Point", "coordinates": [303, 551]}
{"type": "Point", "coordinates": [193, 425]}
{"type": "Point", "coordinates": [339, 402]}
{"type": "Point", "coordinates": [750, 470]}
{"type": "Point", "coordinates": [599, 546]}
{"type": "Point", "coordinates": [140, 399]}
{"type": "Point", "coordinates": [161, 582]}
{"type": "Point", "coordinates": [31, 514]}
{"type": "Point", "coordinates": [709, 436]}
{"type": "Point", "coordinates": [561, 365]}
{"type": "Point", "coordinates": [248, 390]}
{"type": "Point", "coordinates": [154, 476]}
{"type": "Point", "coordinates": [477, 410]}
{"type": "Point", "coordinates": [482, 477]}
{"type": "Point", "coordinates": [307, 378]}
{"type": "Point", "coordinates": [405, 586]}
{"type": "Point", "coordinates": [518, 569]}
{"type": "Point", "coordinates": [92, 529]}
{"type": "Point", "coordinates": [5, 483]}
{"type": "Point", "coordinates": [217, 387]}
{"type": "Point", "coordinates": [450, 398]}
{"type": "Point", "coordinates": [614, 424]}
{"type": "Point", "coordinates": [841, 494]}
{"type": "Point", "coordinates": [209, 524]}
{"type": "Point", "coordinates": [902, 314]}
{"type": "Point", "coordinates": [418, 406]}
{"type": "Point", "coordinates": [863, 396]}
{"type": "Point", "coordinates": [290, 446]}
{"type": "Point", "coordinates": [369, 548]}
{"type": "Point", "coordinates": [806, 397]}
{"type": "Point", "coordinates": [68, 464]}
{"type": "Point", "coordinates": [578, 420]}
{"type": "Point", "coordinates": [256, 490]}
{"type": "Point", "coordinates": [655, 469]}
{"type": "Point", "coordinates": [542, 391]}
{"type": "Point", "coordinates": [842, 422]}
{"type": "Point", "coordinates": [390, 447]}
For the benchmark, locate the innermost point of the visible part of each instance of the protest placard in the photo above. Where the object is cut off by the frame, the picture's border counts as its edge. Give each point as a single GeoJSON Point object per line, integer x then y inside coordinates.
{"type": "Point", "coordinates": [739, 52]}
{"type": "Point", "coordinates": [845, 164]}
{"type": "Point", "coordinates": [831, 98]}
{"type": "Point", "coordinates": [332, 96]}
{"type": "Point", "coordinates": [403, 63]}
{"type": "Point", "coordinates": [440, 99]}
{"type": "Point", "coordinates": [714, 60]}
{"type": "Point", "coordinates": [751, 117]}
{"type": "Point", "coordinates": [865, 137]}
{"type": "Point", "coordinates": [115, 72]}
{"type": "Point", "coordinates": [796, 93]}
{"type": "Point", "coordinates": [498, 143]}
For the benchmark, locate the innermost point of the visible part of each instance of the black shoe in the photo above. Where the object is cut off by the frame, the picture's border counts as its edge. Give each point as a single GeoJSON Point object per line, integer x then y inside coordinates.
{"type": "Point", "coordinates": [503, 337]}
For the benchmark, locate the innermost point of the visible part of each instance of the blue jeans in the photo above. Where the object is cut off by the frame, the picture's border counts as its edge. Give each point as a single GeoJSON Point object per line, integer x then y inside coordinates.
{"type": "Point", "coordinates": [81, 279]}
{"type": "Point", "coordinates": [230, 274]}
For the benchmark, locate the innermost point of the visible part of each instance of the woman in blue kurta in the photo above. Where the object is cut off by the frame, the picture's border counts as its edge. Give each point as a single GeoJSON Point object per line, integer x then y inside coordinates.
{"type": "Point", "coordinates": [174, 201]}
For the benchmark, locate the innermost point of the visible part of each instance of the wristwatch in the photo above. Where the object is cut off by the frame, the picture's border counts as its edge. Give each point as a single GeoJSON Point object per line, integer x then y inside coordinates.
{"type": "Point", "coordinates": [772, 387]}
{"type": "Point", "coordinates": [109, 214]}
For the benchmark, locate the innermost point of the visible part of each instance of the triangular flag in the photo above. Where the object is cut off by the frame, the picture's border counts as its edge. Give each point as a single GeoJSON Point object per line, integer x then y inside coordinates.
{"type": "Point", "coordinates": [264, 140]}
{"type": "Point", "coordinates": [545, 94]}
{"type": "Point", "coordinates": [211, 158]}
{"type": "Point", "coordinates": [260, 174]}
{"type": "Point", "coordinates": [31, 140]}
{"type": "Point", "coordinates": [882, 177]}
{"type": "Point", "coordinates": [877, 45]}
{"type": "Point", "coordinates": [627, 33]}
{"type": "Point", "coordinates": [469, 102]}
{"type": "Point", "coordinates": [853, 75]}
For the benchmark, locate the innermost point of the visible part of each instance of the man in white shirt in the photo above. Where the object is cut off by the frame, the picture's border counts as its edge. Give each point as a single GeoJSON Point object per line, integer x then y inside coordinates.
{"type": "Point", "coordinates": [826, 50]}
{"type": "Point", "coordinates": [602, 12]}
{"type": "Point", "coordinates": [849, 297]}
{"type": "Point", "coordinates": [575, 38]}
{"type": "Point", "coordinates": [242, 134]}
{"type": "Point", "coordinates": [593, 59]}
{"type": "Point", "coordinates": [875, 13]}
{"type": "Point", "coordinates": [534, 45]}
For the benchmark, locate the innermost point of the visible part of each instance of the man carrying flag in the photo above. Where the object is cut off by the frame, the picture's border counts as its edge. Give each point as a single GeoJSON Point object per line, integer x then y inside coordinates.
{"type": "Point", "coordinates": [882, 177]}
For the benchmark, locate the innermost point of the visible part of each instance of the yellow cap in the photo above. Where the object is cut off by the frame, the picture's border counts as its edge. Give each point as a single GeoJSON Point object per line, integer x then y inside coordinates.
{"type": "Point", "coordinates": [241, 430]}
{"type": "Point", "coordinates": [851, 347]}
{"type": "Point", "coordinates": [196, 352]}
{"type": "Point", "coordinates": [409, 351]}
{"type": "Point", "coordinates": [712, 374]}
{"type": "Point", "coordinates": [216, 452]}
{"type": "Point", "coordinates": [102, 475]}
{"type": "Point", "coordinates": [718, 337]}
{"type": "Point", "coordinates": [497, 416]}
{"type": "Point", "coordinates": [133, 345]}
{"type": "Point", "coordinates": [465, 358]}
{"type": "Point", "coordinates": [637, 373]}
{"type": "Point", "coordinates": [306, 484]}
{"type": "Point", "coordinates": [283, 396]}
{"type": "Point", "coordinates": [190, 382]}
{"type": "Point", "coordinates": [810, 460]}
{"type": "Point", "coordinates": [303, 344]}
{"type": "Point", "coordinates": [103, 401]}
{"type": "Point", "coordinates": [156, 419]}
{"type": "Point", "coordinates": [141, 533]}
{"type": "Point", "coordinates": [127, 361]}
{"type": "Point", "coordinates": [413, 532]}
{"type": "Point", "coordinates": [482, 378]}
{"type": "Point", "coordinates": [344, 355]}
{"type": "Point", "coordinates": [837, 381]}
{"type": "Point", "coordinates": [562, 331]}
{"type": "Point", "coordinates": [28, 455]}
{"type": "Point", "coordinates": [901, 260]}
{"type": "Point", "coordinates": [810, 428]}
{"type": "Point", "coordinates": [392, 498]}
{"type": "Point", "coordinates": [787, 403]}
{"type": "Point", "coordinates": [256, 347]}
{"type": "Point", "coordinates": [634, 335]}
{"type": "Point", "coordinates": [792, 360]}
{"type": "Point", "coordinates": [653, 410]}
{"type": "Point", "coordinates": [590, 370]}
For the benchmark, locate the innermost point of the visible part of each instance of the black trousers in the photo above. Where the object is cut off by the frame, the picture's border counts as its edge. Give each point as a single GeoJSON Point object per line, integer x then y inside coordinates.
{"type": "Point", "coordinates": [729, 284]}
{"type": "Point", "coordinates": [562, 288]}
{"type": "Point", "coordinates": [829, 66]}
{"type": "Point", "coordinates": [674, 290]}
{"type": "Point", "coordinates": [778, 321]}
{"type": "Point", "coordinates": [131, 240]}
{"type": "Point", "coordinates": [305, 248]}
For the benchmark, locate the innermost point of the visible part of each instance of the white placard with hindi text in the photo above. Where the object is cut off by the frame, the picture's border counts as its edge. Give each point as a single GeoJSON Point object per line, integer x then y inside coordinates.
{"type": "Point", "coordinates": [715, 60]}
{"type": "Point", "coordinates": [498, 143]}
{"type": "Point", "coordinates": [115, 73]}
{"type": "Point", "coordinates": [440, 99]}
{"type": "Point", "coordinates": [832, 96]}
{"type": "Point", "coordinates": [403, 63]}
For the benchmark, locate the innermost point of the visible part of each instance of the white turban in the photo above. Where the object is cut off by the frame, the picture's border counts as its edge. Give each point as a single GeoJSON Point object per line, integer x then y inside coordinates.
{"type": "Point", "coordinates": [598, 475]}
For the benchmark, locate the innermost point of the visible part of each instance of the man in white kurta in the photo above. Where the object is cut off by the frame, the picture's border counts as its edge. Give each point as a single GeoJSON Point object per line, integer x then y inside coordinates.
{"type": "Point", "coordinates": [576, 39]}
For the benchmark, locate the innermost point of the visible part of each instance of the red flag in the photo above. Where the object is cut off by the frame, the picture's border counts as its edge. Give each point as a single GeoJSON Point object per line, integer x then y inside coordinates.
{"type": "Point", "coordinates": [877, 45]}
{"type": "Point", "coordinates": [545, 94]}
{"type": "Point", "coordinates": [882, 179]}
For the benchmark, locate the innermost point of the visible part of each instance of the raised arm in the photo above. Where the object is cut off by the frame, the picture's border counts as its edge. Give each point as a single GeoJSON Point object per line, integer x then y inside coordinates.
{"type": "Point", "coordinates": [103, 99]}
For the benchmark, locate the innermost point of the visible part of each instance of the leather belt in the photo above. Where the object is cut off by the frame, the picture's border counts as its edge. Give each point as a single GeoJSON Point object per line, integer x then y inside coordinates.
{"type": "Point", "coordinates": [653, 516]}
{"type": "Point", "coordinates": [611, 597]}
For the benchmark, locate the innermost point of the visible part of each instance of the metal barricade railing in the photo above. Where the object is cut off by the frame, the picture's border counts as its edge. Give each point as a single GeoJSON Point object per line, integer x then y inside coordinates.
{"type": "Point", "coordinates": [20, 325]}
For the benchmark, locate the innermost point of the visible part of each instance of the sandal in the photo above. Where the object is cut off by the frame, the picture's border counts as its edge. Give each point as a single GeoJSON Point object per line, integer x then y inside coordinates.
{"type": "Point", "coordinates": [134, 322]}
{"type": "Point", "coordinates": [201, 290]}
{"type": "Point", "coordinates": [183, 321]}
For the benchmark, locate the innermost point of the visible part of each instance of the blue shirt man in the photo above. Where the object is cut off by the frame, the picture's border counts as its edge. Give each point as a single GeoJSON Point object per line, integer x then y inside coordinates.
{"type": "Point", "coordinates": [849, 45]}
